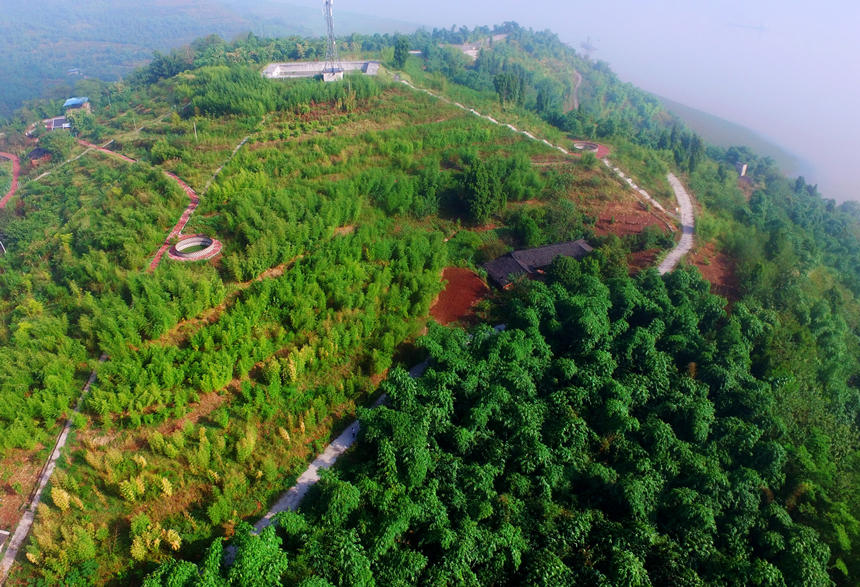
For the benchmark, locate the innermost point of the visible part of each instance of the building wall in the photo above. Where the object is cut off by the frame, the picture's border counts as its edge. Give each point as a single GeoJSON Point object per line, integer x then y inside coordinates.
{"type": "Point", "coordinates": [301, 69]}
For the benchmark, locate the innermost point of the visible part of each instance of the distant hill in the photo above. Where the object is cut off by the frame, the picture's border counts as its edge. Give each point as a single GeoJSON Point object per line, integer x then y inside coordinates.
{"type": "Point", "coordinates": [49, 45]}
{"type": "Point", "coordinates": [273, 18]}
{"type": "Point", "coordinates": [724, 133]}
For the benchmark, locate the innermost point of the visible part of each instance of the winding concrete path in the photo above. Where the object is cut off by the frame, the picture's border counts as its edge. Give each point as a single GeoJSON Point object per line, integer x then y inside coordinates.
{"type": "Point", "coordinates": [16, 171]}
{"type": "Point", "coordinates": [602, 150]}
{"type": "Point", "coordinates": [684, 245]}
{"type": "Point", "coordinates": [578, 77]}
{"type": "Point", "coordinates": [26, 521]}
{"type": "Point", "coordinates": [290, 499]}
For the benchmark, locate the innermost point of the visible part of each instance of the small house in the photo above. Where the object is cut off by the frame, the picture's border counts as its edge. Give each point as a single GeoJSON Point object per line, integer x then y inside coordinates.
{"type": "Point", "coordinates": [57, 123]}
{"type": "Point", "coordinates": [532, 262]}
{"type": "Point", "coordinates": [38, 154]}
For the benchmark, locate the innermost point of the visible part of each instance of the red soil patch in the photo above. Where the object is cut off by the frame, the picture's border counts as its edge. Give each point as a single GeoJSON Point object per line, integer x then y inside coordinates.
{"type": "Point", "coordinates": [719, 269]}
{"type": "Point", "coordinates": [16, 171]}
{"type": "Point", "coordinates": [15, 490]}
{"type": "Point", "coordinates": [463, 291]}
{"type": "Point", "coordinates": [621, 218]}
{"type": "Point", "coordinates": [208, 403]}
{"type": "Point", "coordinates": [642, 260]}
{"type": "Point", "coordinates": [602, 151]}
{"type": "Point", "coordinates": [747, 187]}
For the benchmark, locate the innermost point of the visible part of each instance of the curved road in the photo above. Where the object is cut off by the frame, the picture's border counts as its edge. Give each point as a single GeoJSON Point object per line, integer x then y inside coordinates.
{"type": "Point", "coordinates": [684, 245]}
{"type": "Point", "coordinates": [16, 171]}
{"type": "Point", "coordinates": [684, 202]}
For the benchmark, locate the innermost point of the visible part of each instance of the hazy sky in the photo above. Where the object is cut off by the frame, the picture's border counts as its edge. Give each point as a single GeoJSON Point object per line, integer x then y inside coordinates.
{"type": "Point", "coordinates": [785, 68]}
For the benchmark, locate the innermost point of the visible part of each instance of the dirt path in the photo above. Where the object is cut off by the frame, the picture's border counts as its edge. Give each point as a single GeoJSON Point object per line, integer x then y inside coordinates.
{"type": "Point", "coordinates": [578, 83]}
{"type": "Point", "coordinates": [26, 522]}
{"type": "Point", "coordinates": [16, 171]}
{"type": "Point", "coordinates": [193, 198]}
{"type": "Point", "coordinates": [290, 499]}
{"type": "Point", "coordinates": [687, 223]}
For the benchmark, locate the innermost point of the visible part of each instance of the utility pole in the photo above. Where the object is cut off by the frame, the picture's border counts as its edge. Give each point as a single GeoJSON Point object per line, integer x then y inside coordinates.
{"type": "Point", "coordinates": [332, 62]}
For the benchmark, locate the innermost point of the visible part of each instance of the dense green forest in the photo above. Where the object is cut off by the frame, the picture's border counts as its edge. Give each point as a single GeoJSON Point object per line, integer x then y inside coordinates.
{"type": "Point", "coordinates": [611, 434]}
{"type": "Point", "coordinates": [621, 430]}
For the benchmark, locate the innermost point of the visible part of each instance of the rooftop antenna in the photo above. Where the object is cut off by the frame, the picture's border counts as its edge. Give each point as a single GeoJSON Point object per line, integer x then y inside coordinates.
{"type": "Point", "coordinates": [332, 69]}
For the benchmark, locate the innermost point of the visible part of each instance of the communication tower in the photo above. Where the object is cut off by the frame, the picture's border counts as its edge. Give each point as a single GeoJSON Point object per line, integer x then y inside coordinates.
{"type": "Point", "coordinates": [588, 47]}
{"type": "Point", "coordinates": [332, 70]}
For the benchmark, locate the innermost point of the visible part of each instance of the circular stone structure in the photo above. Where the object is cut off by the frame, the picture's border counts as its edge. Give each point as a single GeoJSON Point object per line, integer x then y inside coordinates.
{"type": "Point", "coordinates": [584, 146]}
{"type": "Point", "coordinates": [194, 248]}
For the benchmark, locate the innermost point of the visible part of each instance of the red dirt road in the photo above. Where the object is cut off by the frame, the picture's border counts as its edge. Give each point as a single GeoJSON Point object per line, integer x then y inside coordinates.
{"type": "Point", "coordinates": [463, 291]}
{"type": "Point", "coordinates": [183, 220]}
{"type": "Point", "coordinates": [16, 171]}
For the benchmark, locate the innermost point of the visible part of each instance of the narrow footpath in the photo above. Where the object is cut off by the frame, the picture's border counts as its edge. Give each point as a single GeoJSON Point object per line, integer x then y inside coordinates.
{"type": "Point", "coordinates": [16, 171]}
{"type": "Point", "coordinates": [26, 521]}
{"type": "Point", "coordinates": [194, 199]}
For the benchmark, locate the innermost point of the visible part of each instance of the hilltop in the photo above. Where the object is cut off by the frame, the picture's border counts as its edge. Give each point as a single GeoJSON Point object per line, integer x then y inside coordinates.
{"type": "Point", "coordinates": [49, 47]}
{"type": "Point", "coordinates": [624, 426]}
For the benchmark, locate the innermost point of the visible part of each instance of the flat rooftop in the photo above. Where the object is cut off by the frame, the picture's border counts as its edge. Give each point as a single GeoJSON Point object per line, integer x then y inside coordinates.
{"type": "Point", "coordinates": [297, 69]}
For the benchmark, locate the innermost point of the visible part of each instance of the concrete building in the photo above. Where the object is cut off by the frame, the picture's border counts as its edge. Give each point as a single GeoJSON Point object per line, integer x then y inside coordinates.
{"type": "Point", "coordinates": [57, 123]}
{"type": "Point", "coordinates": [300, 69]}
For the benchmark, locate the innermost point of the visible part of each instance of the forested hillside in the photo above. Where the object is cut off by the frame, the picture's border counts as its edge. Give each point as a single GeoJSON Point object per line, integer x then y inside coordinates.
{"type": "Point", "coordinates": [611, 434]}
{"type": "Point", "coordinates": [621, 429]}
{"type": "Point", "coordinates": [49, 46]}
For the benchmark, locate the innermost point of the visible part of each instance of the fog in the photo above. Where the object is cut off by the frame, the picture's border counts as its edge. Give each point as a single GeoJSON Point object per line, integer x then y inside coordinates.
{"type": "Point", "coordinates": [786, 69]}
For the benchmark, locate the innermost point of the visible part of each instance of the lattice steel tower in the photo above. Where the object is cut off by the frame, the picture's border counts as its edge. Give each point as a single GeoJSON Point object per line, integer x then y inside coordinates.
{"type": "Point", "coordinates": [332, 62]}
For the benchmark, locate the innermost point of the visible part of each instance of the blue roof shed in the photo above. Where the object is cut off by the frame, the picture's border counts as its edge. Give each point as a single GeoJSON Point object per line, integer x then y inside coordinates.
{"type": "Point", "coordinates": [75, 102]}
